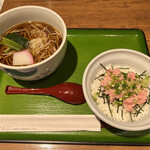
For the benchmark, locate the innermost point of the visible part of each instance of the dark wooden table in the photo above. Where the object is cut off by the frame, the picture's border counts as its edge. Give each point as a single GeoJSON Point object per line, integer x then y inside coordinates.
{"type": "Point", "coordinates": [127, 14]}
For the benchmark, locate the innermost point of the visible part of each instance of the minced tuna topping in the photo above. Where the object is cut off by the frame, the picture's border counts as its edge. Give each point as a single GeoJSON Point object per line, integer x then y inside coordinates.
{"type": "Point", "coordinates": [125, 88]}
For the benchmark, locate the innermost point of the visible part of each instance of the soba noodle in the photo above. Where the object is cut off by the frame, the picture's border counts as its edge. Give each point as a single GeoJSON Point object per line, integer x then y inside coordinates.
{"type": "Point", "coordinates": [44, 40]}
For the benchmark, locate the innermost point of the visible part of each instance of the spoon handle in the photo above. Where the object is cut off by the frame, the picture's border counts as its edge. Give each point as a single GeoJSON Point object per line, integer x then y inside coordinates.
{"type": "Point", "coordinates": [18, 90]}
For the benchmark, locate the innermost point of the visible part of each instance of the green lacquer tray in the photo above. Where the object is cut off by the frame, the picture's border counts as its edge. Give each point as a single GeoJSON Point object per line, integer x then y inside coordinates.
{"type": "Point", "coordinates": [83, 45]}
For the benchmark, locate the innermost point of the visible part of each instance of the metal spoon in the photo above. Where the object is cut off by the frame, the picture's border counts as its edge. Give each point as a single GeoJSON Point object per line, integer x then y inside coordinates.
{"type": "Point", "coordinates": [68, 92]}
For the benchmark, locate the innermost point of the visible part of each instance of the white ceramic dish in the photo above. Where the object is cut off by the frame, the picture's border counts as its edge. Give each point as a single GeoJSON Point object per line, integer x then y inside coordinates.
{"type": "Point", "coordinates": [124, 57]}
{"type": "Point", "coordinates": [23, 14]}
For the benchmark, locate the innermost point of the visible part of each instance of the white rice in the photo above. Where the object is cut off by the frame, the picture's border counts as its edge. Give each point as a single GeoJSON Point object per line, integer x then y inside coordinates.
{"type": "Point", "coordinates": [104, 106]}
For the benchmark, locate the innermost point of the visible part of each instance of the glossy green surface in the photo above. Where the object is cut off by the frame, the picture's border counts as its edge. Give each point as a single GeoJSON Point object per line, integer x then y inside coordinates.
{"type": "Point", "coordinates": [83, 45]}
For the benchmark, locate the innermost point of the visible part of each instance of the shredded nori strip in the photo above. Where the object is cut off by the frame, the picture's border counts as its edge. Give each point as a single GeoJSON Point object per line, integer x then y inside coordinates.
{"type": "Point", "coordinates": [138, 109]}
{"type": "Point", "coordinates": [124, 68]}
{"type": "Point", "coordinates": [142, 73]}
{"type": "Point", "coordinates": [109, 105]}
{"type": "Point", "coordinates": [131, 117]}
{"type": "Point", "coordinates": [101, 75]}
{"type": "Point", "coordinates": [104, 100]}
{"type": "Point", "coordinates": [103, 66]}
{"type": "Point", "coordinates": [117, 108]}
{"type": "Point", "coordinates": [122, 113]}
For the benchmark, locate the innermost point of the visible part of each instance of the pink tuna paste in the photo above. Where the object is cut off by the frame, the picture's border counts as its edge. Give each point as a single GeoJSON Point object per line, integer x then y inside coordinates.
{"type": "Point", "coordinates": [125, 87]}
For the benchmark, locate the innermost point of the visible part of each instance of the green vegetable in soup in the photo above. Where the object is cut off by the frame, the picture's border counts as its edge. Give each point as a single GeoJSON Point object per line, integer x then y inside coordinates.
{"type": "Point", "coordinates": [18, 38]}
{"type": "Point", "coordinates": [14, 41]}
{"type": "Point", "coordinates": [11, 44]}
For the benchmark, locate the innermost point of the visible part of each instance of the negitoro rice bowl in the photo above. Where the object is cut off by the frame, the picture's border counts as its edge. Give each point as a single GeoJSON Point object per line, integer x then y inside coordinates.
{"type": "Point", "coordinates": [121, 93]}
{"type": "Point", "coordinates": [116, 86]}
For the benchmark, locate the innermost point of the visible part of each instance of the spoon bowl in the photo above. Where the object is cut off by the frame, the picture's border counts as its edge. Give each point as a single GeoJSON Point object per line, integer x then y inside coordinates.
{"type": "Point", "coordinates": [68, 92]}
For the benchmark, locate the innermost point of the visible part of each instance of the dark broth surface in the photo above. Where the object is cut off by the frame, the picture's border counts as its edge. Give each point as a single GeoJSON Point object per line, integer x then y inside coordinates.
{"type": "Point", "coordinates": [43, 40]}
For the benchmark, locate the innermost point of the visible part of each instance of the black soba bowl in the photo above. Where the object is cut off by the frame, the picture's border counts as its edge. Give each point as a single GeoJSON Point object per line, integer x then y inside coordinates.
{"type": "Point", "coordinates": [45, 67]}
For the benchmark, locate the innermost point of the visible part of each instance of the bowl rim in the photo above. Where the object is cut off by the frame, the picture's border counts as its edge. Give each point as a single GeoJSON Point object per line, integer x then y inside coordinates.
{"type": "Point", "coordinates": [52, 56]}
{"type": "Point", "coordinates": [95, 111]}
